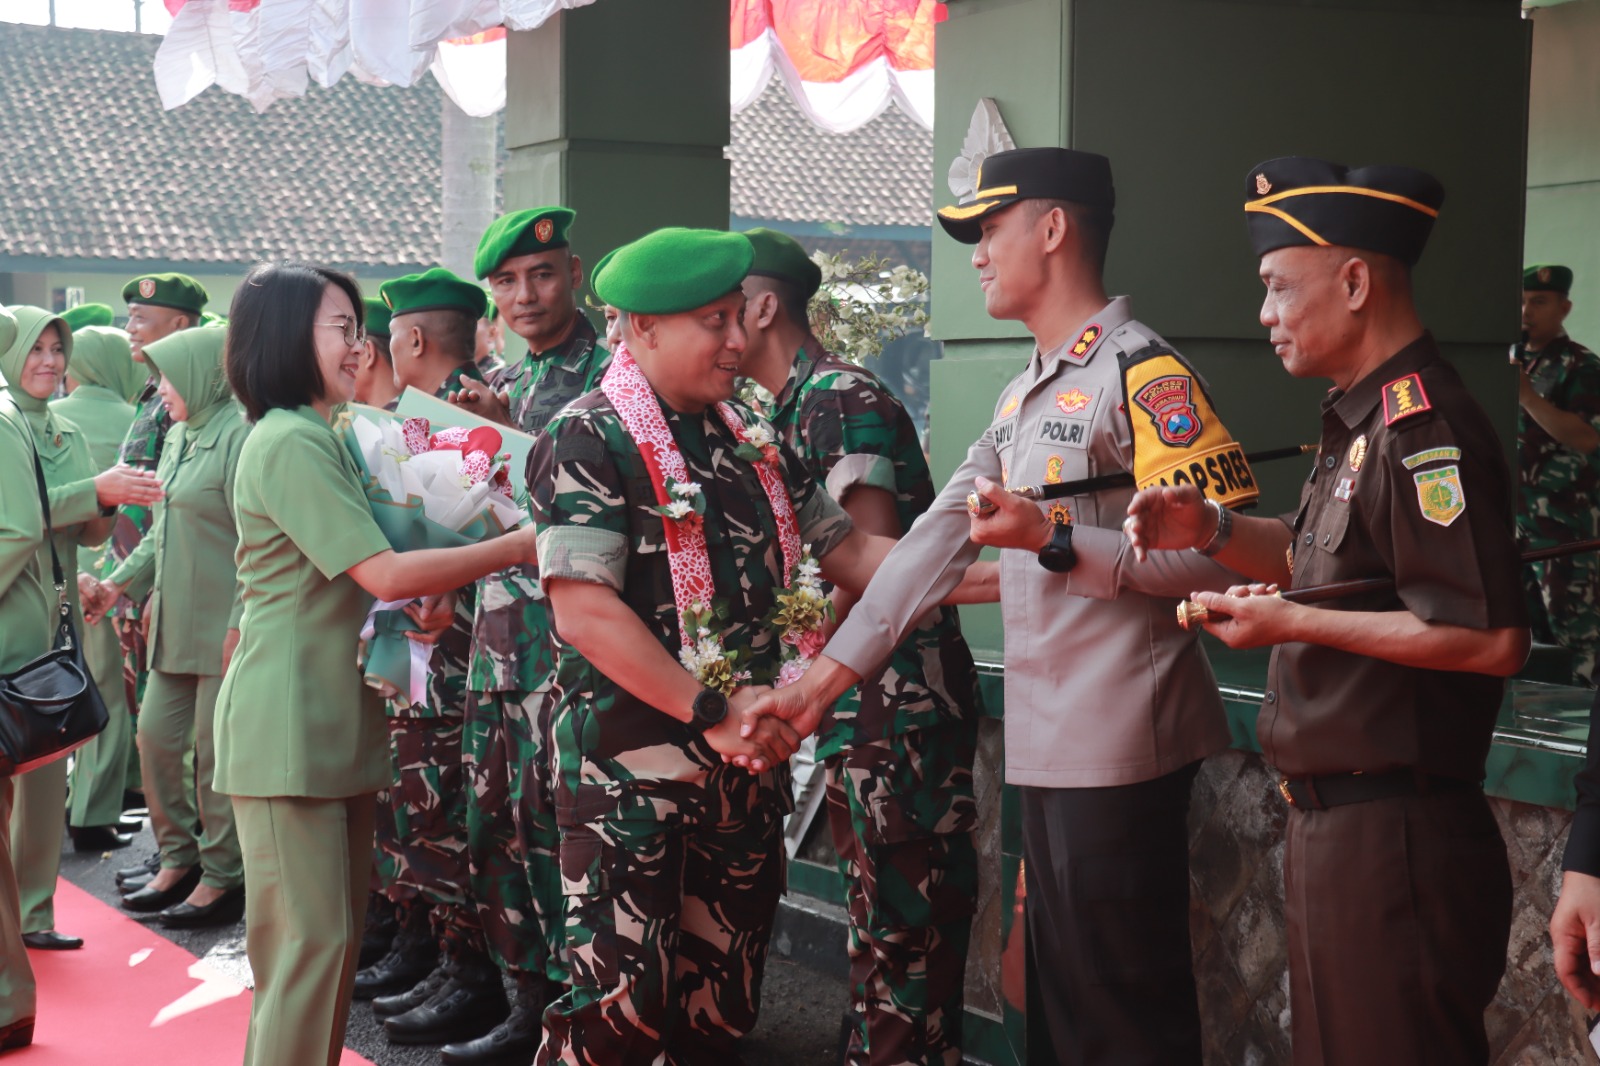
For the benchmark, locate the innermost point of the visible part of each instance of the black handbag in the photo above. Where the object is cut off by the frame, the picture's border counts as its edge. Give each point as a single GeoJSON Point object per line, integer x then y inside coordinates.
{"type": "Point", "coordinates": [50, 707]}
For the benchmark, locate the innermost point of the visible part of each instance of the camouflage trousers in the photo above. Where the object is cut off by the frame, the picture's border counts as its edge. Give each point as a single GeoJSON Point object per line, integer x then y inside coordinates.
{"type": "Point", "coordinates": [1563, 609]}
{"type": "Point", "coordinates": [667, 929]}
{"type": "Point", "coordinates": [428, 798]}
{"type": "Point", "coordinates": [512, 839]}
{"type": "Point", "coordinates": [902, 813]}
{"type": "Point", "coordinates": [385, 846]}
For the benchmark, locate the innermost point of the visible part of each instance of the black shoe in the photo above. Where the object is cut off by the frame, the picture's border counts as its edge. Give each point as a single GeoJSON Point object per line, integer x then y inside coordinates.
{"type": "Point", "coordinates": [16, 1035]}
{"type": "Point", "coordinates": [98, 838]}
{"type": "Point", "coordinates": [134, 801]}
{"type": "Point", "coordinates": [471, 1003]}
{"type": "Point", "coordinates": [381, 928]}
{"type": "Point", "coordinates": [146, 869]}
{"type": "Point", "coordinates": [131, 826]}
{"type": "Point", "coordinates": [226, 909]}
{"type": "Point", "coordinates": [411, 959]}
{"type": "Point", "coordinates": [514, 1042]}
{"type": "Point", "coordinates": [50, 940]}
{"type": "Point", "coordinates": [415, 996]}
{"type": "Point", "coordinates": [149, 900]}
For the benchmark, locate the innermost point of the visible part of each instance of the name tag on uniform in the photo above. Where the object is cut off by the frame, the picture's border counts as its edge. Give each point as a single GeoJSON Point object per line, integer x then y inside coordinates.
{"type": "Point", "coordinates": [1005, 433]}
{"type": "Point", "coordinates": [1072, 432]}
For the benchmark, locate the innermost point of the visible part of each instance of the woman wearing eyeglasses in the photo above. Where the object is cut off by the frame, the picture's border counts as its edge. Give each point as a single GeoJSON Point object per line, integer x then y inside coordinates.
{"type": "Point", "coordinates": [301, 741]}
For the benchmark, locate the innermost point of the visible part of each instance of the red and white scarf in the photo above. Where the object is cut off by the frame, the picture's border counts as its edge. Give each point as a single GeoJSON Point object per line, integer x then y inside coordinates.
{"type": "Point", "coordinates": [635, 401]}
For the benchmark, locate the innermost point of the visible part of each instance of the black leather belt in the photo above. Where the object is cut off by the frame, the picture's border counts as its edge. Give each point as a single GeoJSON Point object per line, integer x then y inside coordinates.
{"type": "Point", "coordinates": [1337, 790]}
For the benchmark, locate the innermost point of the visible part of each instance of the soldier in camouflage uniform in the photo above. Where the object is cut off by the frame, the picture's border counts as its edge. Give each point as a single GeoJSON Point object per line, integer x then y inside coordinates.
{"type": "Point", "coordinates": [511, 832]}
{"type": "Point", "coordinates": [1558, 432]}
{"type": "Point", "coordinates": [432, 324]}
{"type": "Point", "coordinates": [158, 306]}
{"type": "Point", "coordinates": [898, 751]}
{"type": "Point", "coordinates": [671, 856]}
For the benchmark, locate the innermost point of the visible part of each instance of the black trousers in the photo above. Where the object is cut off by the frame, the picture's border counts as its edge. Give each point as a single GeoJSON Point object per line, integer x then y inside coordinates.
{"type": "Point", "coordinates": [1108, 924]}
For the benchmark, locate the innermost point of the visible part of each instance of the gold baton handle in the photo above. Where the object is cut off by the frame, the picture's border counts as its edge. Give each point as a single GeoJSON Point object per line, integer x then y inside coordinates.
{"type": "Point", "coordinates": [978, 506]}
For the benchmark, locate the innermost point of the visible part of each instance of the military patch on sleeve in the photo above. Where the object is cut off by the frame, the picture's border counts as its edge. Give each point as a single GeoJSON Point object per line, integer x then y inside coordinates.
{"type": "Point", "coordinates": [578, 448]}
{"type": "Point", "coordinates": [1177, 437]}
{"type": "Point", "coordinates": [1432, 455]}
{"type": "Point", "coordinates": [1404, 397]}
{"type": "Point", "coordinates": [1440, 495]}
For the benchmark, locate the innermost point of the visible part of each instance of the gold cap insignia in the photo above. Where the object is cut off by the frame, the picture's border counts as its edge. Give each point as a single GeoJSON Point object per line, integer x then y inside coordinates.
{"type": "Point", "coordinates": [1263, 186]}
{"type": "Point", "coordinates": [1544, 274]}
{"type": "Point", "coordinates": [1358, 452]}
{"type": "Point", "coordinates": [544, 229]}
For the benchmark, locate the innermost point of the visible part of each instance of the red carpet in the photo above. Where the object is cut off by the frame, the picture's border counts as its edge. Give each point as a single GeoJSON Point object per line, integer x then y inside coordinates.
{"type": "Point", "coordinates": [132, 997]}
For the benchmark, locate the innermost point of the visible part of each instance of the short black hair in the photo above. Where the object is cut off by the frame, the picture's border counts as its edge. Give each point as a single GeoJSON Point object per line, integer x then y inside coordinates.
{"type": "Point", "coordinates": [1093, 225]}
{"type": "Point", "coordinates": [271, 348]}
{"type": "Point", "coordinates": [455, 332]}
{"type": "Point", "coordinates": [380, 344]}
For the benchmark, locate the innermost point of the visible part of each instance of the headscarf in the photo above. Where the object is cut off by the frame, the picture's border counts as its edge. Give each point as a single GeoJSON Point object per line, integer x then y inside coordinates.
{"type": "Point", "coordinates": [31, 322]}
{"type": "Point", "coordinates": [191, 361]}
{"type": "Point", "coordinates": [100, 356]}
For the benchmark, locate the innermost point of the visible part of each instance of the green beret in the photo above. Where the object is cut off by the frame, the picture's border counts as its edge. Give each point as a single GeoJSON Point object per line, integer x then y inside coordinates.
{"type": "Point", "coordinates": [537, 229]}
{"type": "Point", "coordinates": [673, 270]}
{"type": "Point", "coordinates": [432, 290]}
{"type": "Point", "coordinates": [377, 316]}
{"type": "Point", "coordinates": [780, 256]}
{"type": "Point", "coordinates": [88, 315]}
{"type": "Point", "coordinates": [177, 291]}
{"type": "Point", "coordinates": [1547, 278]}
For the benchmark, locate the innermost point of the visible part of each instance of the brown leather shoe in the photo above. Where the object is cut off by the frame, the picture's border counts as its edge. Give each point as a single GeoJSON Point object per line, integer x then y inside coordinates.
{"type": "Point", "coordinates": [16, 1035]}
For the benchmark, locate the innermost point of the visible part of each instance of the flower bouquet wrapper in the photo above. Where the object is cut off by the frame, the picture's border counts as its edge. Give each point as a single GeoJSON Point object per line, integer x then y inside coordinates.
{"type": "Point", "coordinates": [443, 494]}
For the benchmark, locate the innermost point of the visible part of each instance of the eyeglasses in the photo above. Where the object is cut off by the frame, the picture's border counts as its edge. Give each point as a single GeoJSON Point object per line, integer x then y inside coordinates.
{"type": "Point", "coordinates": [354, 333]}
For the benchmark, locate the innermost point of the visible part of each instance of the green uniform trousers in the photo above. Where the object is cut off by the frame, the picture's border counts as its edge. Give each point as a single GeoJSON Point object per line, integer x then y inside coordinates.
{"type": "Point", "coordinates": [100, 767]}
{"type": "Point", "coordinates": [306, 864]}
{"type": "Point", "coordinates": [16, 975]}
{"type": "Point", "coordinates": [176, 720]}
{"type": "Point", "coordinates": [38, 804]}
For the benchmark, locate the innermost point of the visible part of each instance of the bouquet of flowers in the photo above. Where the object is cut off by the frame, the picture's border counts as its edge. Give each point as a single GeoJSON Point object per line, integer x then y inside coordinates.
{"type": "Point", "coordinates": [427, 489]}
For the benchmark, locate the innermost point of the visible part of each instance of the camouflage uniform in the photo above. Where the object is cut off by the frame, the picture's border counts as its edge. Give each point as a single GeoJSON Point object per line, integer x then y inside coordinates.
{"type": "Point", "coordinates": [1560, 502]}
{"type": "Point", "coordinates": [426, 842]}
{"type": "Point", "coordinates": [511, 831]}
{"type": "Point", "coordinates": [141, 448]}
{"type": "Point", "coordinates": [651, 817]}
{"type": "Point", "coordinates": [898, 751]}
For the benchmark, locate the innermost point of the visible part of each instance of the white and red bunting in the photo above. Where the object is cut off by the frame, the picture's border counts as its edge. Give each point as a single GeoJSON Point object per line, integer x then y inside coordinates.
{"type": "Point", "coordinates": [843, 61]}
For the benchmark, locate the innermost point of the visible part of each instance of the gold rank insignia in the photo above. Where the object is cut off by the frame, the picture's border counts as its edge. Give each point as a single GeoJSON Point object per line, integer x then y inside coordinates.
{"type": "Point", "coordinates": [1052, 470]}
{"type": "Point", "coordinates": [1059, 514]}
{"type": "Point", "coordinates": [1358, 453]}
{"type": "Point", "coordinates": [1404, 397]}
{"type": "Point", "coordinates": [1086, 341]}
{"type": "Point", "coordinates": [1263, 186]}
{"type": "Point", "coordinates": [1072, 401]}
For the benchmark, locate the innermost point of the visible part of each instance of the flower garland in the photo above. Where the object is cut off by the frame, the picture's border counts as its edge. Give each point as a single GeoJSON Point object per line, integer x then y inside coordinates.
{"type": "Point", "coordinates": [681, 504]}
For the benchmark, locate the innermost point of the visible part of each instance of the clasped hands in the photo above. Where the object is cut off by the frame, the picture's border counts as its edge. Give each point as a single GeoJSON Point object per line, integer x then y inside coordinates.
{"type": "Point", "coordinates": [765, 725]}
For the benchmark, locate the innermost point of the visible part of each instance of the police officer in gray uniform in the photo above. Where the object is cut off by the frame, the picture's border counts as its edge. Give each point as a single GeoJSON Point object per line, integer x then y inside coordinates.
{"type": "Point", "coordinates": [1109, 705]}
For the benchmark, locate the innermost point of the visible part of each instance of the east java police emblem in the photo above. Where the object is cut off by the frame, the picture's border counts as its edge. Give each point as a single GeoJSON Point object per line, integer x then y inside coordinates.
{"type": "Point", "coordinates": [147, 287]}
{"type": "Point", "coordinates": [544, 229]}
{"type": "Point", "coordinates": [1166, 400]}
{"type": "Point", "coordinates": [1072, 401]}
{"type": "Point", "coordinates": [1439, 494]}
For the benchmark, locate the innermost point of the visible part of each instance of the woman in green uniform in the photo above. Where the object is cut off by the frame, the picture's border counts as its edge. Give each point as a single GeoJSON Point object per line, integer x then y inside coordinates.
{"type": "Point", "coordinates": [81, 502]}
{"type": "Point", "coordinates": [301, 741]}
{"type": "Point", "coordinates": [25, 619]}
{"type": "Point", "coordinates": [101, 387]}
{"type": "Point", "coordinates": [187, 559]}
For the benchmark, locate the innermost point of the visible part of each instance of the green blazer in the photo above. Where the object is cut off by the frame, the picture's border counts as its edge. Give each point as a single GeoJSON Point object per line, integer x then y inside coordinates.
{"type": "Point", "coordinates": [26, 617]}
{"type": "Point", "coordinates": [294, 717]}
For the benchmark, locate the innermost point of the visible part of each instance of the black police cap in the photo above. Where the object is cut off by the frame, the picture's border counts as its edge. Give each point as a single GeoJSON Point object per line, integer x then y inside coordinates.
{"type": "Point", "coordinates": [1030, 174]}
{"type": "Point", "coordinates": [1296, 201]}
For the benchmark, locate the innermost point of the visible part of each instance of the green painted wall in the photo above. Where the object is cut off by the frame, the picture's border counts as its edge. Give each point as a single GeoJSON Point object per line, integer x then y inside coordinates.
{"type": "Point", "coordinates": [1564, 154]}
{"type": "Point", "coordinates": [1185, 96]}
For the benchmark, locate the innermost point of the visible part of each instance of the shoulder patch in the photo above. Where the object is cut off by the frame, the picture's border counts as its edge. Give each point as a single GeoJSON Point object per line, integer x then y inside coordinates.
{"type": "Point", "coordinates": [580, 448]}
{"type": "Point", "coordinates": [1439, 494]}
{"type": "Point", "coordinates": [1432, 455]}
{"type": "Point", "coordinates": [1176, 435]}
{"type": "Point", "coordinates": [1404, 397]}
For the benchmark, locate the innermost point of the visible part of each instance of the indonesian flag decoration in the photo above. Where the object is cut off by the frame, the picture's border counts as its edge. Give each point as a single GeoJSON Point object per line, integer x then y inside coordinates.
{"type": "Point", "coordinates": [843, 61]}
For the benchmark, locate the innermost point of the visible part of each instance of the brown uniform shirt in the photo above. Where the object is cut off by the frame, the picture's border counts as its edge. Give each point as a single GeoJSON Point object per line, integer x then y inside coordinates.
{"type": "Point", "coordinates": [1410, 482]}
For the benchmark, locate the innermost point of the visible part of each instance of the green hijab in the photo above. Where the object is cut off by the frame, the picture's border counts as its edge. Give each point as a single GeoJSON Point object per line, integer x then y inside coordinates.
{"type": "Point", "coordinates": [31, 322]}
{"type": "Point", "coordinates": [191, 361]}
{"type": "Point", "coordinates": [100, 356]}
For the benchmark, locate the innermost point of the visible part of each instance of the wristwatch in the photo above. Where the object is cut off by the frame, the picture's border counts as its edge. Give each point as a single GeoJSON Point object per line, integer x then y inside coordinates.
{"type": "Point", "coordinates": [1224, 533]}
{"type": "Point", "coordinates": [710, 707]}
{"type": "Point", "coordinates": [1057, 555]}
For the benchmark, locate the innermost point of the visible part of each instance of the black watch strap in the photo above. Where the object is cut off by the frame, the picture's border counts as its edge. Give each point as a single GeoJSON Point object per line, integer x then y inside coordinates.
{"type": "Point", "coordinates": [1057, 555]}
{"type": "Point", "coordinates": [710, 707]}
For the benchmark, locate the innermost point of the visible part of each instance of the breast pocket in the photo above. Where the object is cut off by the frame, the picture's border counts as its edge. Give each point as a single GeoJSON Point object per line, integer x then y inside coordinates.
{"type": "Point", "coordinates": [1328, 534]}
